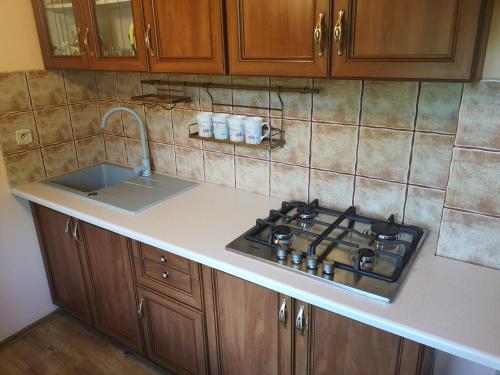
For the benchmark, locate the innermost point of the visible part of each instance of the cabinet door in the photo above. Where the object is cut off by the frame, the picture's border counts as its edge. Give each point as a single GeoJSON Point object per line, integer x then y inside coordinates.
{"type": "Point", "coordinates": [114, 299]}
{"type": "Point", "coordinates": [174, 334]}
{"type": "Point", "coordinates": [63, 262]}
{"type": "Point", "coordinates": [61, 33]}
{"type": "Point", "coordinates": [278, 37]}
{"type": "Point", "coordinates": [252, 340]}
{"type": "Point", "coordinates": [117, 35]}
{"type": "Point", "coordinates": [423, 39]}
{"type": "Point", "coordinates": [342, 346]}
{"type": "Point", "coordinates": [185, 36]}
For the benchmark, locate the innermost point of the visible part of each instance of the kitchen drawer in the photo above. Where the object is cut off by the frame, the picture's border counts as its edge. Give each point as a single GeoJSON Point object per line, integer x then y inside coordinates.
{"type": "Point", "coordinates": [178, 278]}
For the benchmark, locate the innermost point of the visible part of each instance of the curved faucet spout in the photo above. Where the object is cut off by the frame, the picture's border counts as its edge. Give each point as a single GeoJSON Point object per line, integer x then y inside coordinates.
{"type": "Point", "coordinates": [145, 169]}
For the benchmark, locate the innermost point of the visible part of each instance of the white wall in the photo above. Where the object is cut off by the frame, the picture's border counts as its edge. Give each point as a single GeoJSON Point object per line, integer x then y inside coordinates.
{"type": "Point", "coordinates": [24, 293]}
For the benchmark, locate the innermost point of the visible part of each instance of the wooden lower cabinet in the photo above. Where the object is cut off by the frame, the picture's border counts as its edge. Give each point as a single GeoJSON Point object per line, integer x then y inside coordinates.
{"type": "Point", "coordinates": [174, 334]}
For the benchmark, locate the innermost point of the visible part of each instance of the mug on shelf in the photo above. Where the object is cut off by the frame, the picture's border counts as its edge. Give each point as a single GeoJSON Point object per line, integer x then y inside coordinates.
{"type": "Point", "coordinates": [236, 128]}
{"type": "Point", "coordinates": [253, 130]}
{"type": "Point", "coordinates": [221, 128]}
{"type": "Point", "coordinates": [205, 126]}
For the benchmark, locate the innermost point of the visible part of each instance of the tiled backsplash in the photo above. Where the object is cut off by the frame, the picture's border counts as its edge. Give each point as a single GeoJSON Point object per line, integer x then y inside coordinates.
{"type": "Point", "coordinates": [427, 152]}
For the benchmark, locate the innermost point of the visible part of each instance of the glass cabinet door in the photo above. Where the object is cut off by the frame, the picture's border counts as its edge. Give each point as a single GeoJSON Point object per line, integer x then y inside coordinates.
{"type": "Point", "coordinates": [61, 33]}
{"type": "Point", "coordinates": [118, 34]}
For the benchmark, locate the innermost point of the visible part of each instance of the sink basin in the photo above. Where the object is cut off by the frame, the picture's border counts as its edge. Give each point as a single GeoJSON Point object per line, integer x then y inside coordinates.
{"type": "Point", "coordinates": [120, 187]}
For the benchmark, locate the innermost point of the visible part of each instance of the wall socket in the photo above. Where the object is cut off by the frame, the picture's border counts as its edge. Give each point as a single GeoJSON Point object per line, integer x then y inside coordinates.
{"type": "Point", "coordinates": [24, 137]}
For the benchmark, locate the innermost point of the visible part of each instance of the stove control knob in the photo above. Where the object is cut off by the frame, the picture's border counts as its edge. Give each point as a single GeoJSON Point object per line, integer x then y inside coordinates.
{"type": "Point", "coordinates": [328, 267]}
{"type": "Point", "coordinates": [312, 261]}
{"type": "Point", "coordinates": [296, 257]}
{"type": "Point", "coordinates": [281, 253]}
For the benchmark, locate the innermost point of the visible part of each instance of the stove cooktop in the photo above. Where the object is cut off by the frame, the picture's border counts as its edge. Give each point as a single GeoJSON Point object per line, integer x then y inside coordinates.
{"type": "Point", "coordinates": [359, 253]}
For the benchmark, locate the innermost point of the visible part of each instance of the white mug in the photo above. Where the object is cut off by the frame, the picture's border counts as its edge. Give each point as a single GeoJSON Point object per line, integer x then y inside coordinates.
{"type": "Point", "coordinates": [253, 130]}
{"type": "Point", "coordinates": [236, 128]}
{"type": "Point", "coordinates": [221, 128]}
{"type": "Point", "coordinates": [205, 127]}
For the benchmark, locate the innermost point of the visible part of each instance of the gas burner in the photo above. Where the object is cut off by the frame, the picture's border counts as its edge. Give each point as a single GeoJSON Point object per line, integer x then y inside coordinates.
{"type": "Point", "coordinates": [307, 212]}
{"type": "Point", "coordinates": [282, 235]}
{"type": "Point", "coordinates": [365, 258]}
{"type": "Point", "coordinates": [386, 230]}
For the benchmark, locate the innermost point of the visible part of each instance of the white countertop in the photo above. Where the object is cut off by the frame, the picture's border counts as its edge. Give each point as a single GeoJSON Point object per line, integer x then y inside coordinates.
{"type": "Point", "coordinates": [446, 304]}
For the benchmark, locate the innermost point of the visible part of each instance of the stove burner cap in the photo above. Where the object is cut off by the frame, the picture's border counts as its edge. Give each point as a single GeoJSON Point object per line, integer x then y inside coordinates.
{"type": "Point", "coordinates": [385, 231]}
{"type": "Point", "coordinates": [282, 235]}
{"type": "Point", "coordinates": [306, 212]}
{"type": "Point", "coordinates": [366, 255]}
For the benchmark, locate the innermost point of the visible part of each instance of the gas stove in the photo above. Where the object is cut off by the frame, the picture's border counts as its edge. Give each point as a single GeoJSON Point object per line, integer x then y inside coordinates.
{"type": "Point", "coordinates": [365, 255]}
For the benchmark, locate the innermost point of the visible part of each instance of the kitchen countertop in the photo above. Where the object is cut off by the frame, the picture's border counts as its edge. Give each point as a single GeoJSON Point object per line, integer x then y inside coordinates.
{"type": "Point", "coordinates": [446, 304]}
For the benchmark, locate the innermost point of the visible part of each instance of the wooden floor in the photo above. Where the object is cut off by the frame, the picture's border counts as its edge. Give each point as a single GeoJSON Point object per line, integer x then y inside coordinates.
{"type": "Point", "coordinates": [62, 345]}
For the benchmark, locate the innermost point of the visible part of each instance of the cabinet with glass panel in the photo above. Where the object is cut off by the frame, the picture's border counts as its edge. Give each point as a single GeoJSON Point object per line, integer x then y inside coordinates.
{"type": "Point", "coordinates": [91, 34]}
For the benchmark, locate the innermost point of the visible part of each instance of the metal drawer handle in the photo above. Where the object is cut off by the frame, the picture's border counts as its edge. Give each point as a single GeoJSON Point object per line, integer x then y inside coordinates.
{"type": "Point", "coordinates": [163, 259]}
{"type": "Point", "coordinates": [164, 275]}
{"type": "Point", "coordinates": [282, 314]}
{"type": "Point", "coordinates": [299, 321]}
{"type": "Point", "coordinates": [140, 309]}
{"type": "Point", "coordinates": [318, 34]}
{"type": "Point", "coordinates": [66, 229]}
{"type": "Point", "coordinates": [337, 32]}
{"type": "Point", "coordinates": [75, 232]}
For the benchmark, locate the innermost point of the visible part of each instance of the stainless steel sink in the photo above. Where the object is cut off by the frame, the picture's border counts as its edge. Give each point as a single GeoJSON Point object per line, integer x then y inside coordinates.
{"type": "Point", "coordinates": [120, 187]}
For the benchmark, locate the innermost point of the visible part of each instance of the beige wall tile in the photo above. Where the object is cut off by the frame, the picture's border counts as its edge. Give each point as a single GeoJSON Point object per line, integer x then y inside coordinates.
{"type": "Point", "coordinates": [379, 198]}
{"type": "Point", "coordinates": [59, 159]}
{"type": "Point", "coordinates": [90, 151]}
{"type": "Point", "coordinates": [24, 167]}
{"type": "Point", "coordinates": [338, 101]}
{"type": "Point", "coordinates": [159, 125]}
{"type": "Point", "coordinates": [251, 98]}
{"type": "Point", "coordinates": [475, 181]}
{"type": "Point", "coordinates": [9, 124]}
{"type": "Point", "coordinates": [189, 163]}
{"type": "Point", "coordinates": [297, 148]}
{"type": "Point", "coordinates": [384, 153]}
{"type": "Point", "coordinates": [295, 105]}
{"type": "Point", "coordinates": [162, 157]}
{"type": "Point", "coordinates": [431, 159]}
{"type": "Point", "coordinates": [219, 169]}
{"type": "Point", "coordinates": [252, 152]}
{"type": "Point", "coordinates": [181, 119]}
{"type": "Point", "coordinates": [289, 182]}
{"type": "Point", "coordinates": [80, 86]}
{"type": "Point", "coordinates": [46, 88]}
{"type": "Point", "coordinates": [334, 190]}
{"type": "Point", "coordinates": [114, 124]}
{"type": "Point", "coordinates": [424, 207]}
{"type": "Point", "coordinates": [115, 149]}
{"type": "Point", "coordinates": [134, 152]}
{"type": "Point", "coordinates": [192, 92]}
{"type": "Point", "coordinates": [479, 123]}
{"type": "Point", "coordinates": [438, 106]}
{"type": "Point", "coordinates": [218, 147]}
{"type": "Point", "coordinates": [460, 229]}
{"type": "Point", "coordinates": [334, 147]}
{"type": "Point", "coordinates": [224, 96]}
{"type": "Point", "coordinates": [389, 104]}
{"type": "Point", "coordinates": [107, 85]}
{"type": "Point", "coordinates": [15, 96]}
{"type": "Point", "coordinates": [252, 175]}
{"type": "Point", "coordinates": [85, 119]}
{"type": "Point", "coordinates": [53, 125]}
{"type": "Point", "coordinates": [129, 84]}
{"type": "Point", "coordinates": [130, 125]}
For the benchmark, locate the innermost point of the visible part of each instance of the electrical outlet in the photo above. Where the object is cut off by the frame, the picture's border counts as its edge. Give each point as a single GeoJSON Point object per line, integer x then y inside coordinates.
{"type": "Point", "coordinates": [24, 137]}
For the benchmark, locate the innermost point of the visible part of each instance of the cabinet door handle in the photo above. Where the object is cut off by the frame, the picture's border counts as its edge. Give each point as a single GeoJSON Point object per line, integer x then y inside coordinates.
{"type": "Point", "coordinates": [282, 314]}
{"type": "Point", "coordinates": [75, 232]}
{"type": "Point", "coordinates": [140, 308]}
{"type": "Point", "coordinates": [338, 32]}
{"type": "Point", "coordinates": [66, 229]}
{"type": "Point", "coordinates": [86, 42]}
{"type": "Point", "coordinates": [163, 259]}
{"type": "Point", "coordinates": [319, 33]}
{"type": "Point", "coordinates": [147, 40]}
{"type": "Point", "coordinates": [164, 275]}
{"type": "Point", "coordinates": [77, 40]}
{"type": "Point", "coordinates": [299, 321]}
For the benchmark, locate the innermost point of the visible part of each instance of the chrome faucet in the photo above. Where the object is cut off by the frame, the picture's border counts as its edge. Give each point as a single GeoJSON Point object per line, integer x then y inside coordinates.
{"type": "Point", "coordinates": [145, 168]}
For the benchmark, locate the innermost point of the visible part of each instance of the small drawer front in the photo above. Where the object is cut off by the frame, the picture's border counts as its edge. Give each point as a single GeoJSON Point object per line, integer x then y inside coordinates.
{"type": "Point", "coordinates": [168, 259]}
{"type": "Point", "coordinates": [167, 275]}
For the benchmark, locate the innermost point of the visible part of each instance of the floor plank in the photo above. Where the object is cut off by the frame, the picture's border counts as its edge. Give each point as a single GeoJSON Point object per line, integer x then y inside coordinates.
{"type": "Point", "coordinates": [61, 345]}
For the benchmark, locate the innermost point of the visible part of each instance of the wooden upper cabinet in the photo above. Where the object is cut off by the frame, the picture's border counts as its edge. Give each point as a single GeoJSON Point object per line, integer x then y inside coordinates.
{"type": "Point", "coordinates": [185, 36]}
{"type": "Point", "coordinates": [406, 39]}
{"type": "Point", "coordinates": [60, 26]}
{"type": "Point", "coordinates": [284, 38]}
{"type": "Point", "coordinates": [115, 35]}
